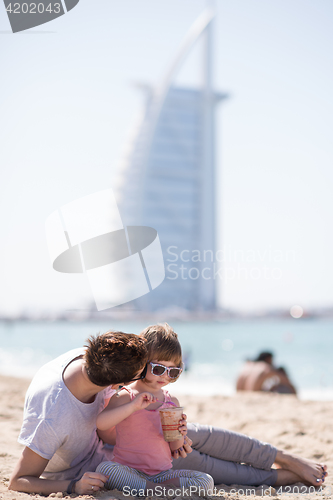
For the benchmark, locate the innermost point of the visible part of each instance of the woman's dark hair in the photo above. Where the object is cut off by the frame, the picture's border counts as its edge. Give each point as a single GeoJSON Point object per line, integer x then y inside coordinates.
{"type": "Point", "coordinates": [114, 357]}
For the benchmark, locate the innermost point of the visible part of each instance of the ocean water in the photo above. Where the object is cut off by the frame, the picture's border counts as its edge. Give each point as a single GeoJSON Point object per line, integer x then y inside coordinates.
{"type": "Point", "coordinates": [214, 351]}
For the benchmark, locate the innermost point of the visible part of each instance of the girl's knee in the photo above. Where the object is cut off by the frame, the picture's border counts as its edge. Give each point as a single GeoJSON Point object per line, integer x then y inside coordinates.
{"type": "Point", "coordinates": [205, 483]}
{"type": "Point", "coordinates": [208, 482]}
{"type": "Point", "coordinates": [109, 469]}
{"type": "Point", "coordinates": [105, 467]}
{"type": "Point", "coordinates": [198, 482]}
{"type": "Point", "coordinates": [120, 476]}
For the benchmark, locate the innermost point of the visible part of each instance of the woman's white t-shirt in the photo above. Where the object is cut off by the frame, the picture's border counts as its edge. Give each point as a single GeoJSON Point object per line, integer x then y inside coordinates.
{"type": "Point", "coordinates": [59, 427]}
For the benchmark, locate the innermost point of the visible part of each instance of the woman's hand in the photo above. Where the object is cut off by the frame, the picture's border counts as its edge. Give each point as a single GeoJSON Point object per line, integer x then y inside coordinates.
{"type": "Point", "coordinates": [89, 483]}
{"type": "Point", "coordinates": [184, 450]}
{"type": "Point", "coordinates": [142, 400]}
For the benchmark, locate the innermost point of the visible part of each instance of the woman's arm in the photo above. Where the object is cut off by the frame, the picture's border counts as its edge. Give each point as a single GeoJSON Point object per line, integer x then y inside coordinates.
{"type": "Point", "coordinates": [26, 477]}
{"type": "Point", "coordinates": [122, 407]}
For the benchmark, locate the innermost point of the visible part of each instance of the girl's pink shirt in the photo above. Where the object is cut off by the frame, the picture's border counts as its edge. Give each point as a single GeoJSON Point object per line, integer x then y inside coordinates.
{"type": "Point", "coordinates": [140, 443]}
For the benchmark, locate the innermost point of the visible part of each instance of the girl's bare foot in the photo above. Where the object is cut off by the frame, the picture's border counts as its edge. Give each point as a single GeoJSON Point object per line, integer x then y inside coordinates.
{"type": "Point", "coordinates": [306, 470]}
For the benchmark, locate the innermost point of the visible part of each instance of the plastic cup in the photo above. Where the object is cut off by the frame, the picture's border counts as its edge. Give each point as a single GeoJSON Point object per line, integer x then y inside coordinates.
{"type": "Point", "coordinates": [170, 422]}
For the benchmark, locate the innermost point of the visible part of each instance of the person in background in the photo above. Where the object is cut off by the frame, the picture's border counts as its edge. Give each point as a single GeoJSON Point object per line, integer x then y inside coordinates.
{"type": "Point", "coordinates": [261, 375]}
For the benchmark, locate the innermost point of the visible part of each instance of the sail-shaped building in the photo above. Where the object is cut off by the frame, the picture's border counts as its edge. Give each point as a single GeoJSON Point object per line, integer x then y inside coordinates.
{"type": "Point", "coordinates": [167, 181]}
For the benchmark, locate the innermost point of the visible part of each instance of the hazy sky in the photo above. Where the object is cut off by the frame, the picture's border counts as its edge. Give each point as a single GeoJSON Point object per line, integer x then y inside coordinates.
{"type": "Point", "coordinates": [68, 103]}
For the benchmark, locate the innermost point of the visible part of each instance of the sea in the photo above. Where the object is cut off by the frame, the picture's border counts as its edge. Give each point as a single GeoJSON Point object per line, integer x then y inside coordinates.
{"type": "Point", "coordinates": [214, 351]}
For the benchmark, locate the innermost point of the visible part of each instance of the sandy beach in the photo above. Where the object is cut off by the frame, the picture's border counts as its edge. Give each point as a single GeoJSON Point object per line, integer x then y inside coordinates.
{"type": "Point", "coordinates": [302, 427]}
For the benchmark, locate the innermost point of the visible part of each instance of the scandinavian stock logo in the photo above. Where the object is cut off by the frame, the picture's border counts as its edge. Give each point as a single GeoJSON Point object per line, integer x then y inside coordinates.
{"type": "Point", "coordinates": [122, 263]}
{"type": "Point", "coordinates": [25, 15]}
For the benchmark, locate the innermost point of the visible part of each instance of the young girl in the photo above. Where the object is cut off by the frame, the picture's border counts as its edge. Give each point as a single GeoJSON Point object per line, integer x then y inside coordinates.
{"type": "Point", "coordinates": [142, 458]}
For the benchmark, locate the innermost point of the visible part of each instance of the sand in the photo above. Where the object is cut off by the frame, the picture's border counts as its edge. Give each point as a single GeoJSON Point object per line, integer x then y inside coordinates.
{"type": "Point", "coordinates": [302, 427]}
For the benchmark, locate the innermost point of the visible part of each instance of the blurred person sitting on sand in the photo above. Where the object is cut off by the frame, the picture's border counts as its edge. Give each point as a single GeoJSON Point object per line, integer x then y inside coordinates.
{"type": "Point", "coordinates": [62, 447]}
{"type": "Point", "coordinates": [261, 375]}
{"type": "Point", "coordinates": [142, 458]}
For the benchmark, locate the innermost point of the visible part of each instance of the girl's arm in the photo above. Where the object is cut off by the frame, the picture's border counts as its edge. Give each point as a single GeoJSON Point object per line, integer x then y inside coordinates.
{"type": "Point", "coordinates": [122, 407]}
{"type": "Point", "coordinates": [108, 436]}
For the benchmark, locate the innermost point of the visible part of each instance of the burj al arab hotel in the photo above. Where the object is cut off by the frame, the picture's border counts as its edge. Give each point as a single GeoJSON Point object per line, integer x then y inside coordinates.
{"type": "Point", "coordinates": [167, 180]}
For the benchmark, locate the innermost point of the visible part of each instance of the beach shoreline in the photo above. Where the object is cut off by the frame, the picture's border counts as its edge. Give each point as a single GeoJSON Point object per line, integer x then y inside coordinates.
{"type": "Point", "coordinates": [301, 427]}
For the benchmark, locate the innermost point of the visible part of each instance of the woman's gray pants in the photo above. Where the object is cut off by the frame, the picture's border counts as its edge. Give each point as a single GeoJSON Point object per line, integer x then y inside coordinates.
{"type": "Point", "coordinates": [229, 457]}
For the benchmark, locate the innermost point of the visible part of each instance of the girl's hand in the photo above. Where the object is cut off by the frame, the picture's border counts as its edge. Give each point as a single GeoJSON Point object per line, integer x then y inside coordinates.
{"type": "Point", "coordinates": [184, 450]}
{"type": "Point", "coordinates": [183, 425]}
{"type": "Point", "coordinates": [142, 400]}
{"type": "Point", "coordinates": [89, 483]}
